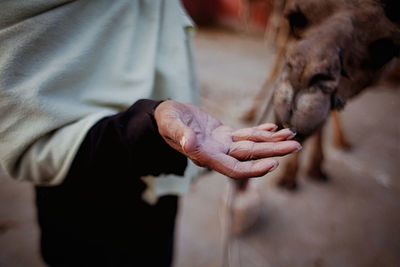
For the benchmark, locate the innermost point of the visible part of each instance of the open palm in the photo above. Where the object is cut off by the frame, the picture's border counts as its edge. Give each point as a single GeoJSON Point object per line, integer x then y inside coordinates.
{"type": "Point", "coordinates": [243, 153]}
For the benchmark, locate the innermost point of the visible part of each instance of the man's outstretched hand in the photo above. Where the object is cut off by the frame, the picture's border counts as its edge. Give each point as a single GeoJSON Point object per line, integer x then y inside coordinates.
{"type": "Point", "coordinates": [243, 153]}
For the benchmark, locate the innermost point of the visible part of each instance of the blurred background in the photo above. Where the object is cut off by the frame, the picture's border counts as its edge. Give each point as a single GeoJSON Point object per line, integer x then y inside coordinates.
{"type": "Point", "coordinates": [351, 220]}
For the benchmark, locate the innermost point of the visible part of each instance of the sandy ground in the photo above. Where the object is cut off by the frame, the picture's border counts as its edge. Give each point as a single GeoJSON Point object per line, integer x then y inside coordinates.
{"type": "Point", "coordinates": [352, 220]}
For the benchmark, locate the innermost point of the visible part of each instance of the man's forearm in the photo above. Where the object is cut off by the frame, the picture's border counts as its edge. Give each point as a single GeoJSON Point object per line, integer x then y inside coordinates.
{"type": "Point", "coordinates": [128, 143]}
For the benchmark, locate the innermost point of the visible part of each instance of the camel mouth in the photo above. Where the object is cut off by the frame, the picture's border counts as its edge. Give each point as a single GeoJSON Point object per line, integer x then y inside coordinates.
{"type": "Point", "coordinates": [304, 111]}
{"type": "Point", "coordinates": [299, 137]}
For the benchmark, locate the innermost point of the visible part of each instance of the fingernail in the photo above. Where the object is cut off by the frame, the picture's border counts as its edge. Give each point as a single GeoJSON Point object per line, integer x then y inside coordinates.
{"type": "Point", "coordinates": [292, 134]}
{"type": "Point", "coordinates": [276, 164]}
{"type": "Point", "coordinates": [183, 142]}
{"type": "Point", "coordinates": [299, 147]}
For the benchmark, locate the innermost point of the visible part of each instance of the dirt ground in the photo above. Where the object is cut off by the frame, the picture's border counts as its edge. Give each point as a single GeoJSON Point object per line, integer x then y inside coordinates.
{"type": "Point", "coordinates": [352, 220]}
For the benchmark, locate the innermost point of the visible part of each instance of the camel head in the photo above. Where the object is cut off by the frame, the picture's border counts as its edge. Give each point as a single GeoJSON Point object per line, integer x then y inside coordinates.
{"type": "Point", "coordinates": [336, 49]}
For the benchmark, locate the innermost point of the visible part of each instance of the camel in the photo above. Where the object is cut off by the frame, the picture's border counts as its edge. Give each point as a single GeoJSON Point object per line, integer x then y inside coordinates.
{"type": "Point", "coordinates": [327, 52]}
{"type": "Point", "coordinates": [331, 51]}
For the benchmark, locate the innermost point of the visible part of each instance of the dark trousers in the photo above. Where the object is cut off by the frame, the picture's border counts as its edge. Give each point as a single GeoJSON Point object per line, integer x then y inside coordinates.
{"type": "Point", "coordinates": [84, 225]}
{"type": "Point", "coordinates": [96, 217]}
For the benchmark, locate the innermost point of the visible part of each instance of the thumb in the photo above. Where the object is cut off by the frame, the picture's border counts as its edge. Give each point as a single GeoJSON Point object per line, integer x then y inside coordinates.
{"type": "Point", "coordinates": [178, 135]}
{"type": "Point", "coordinates": [188, 140]}
{"type": "Point", "coordinates": [172, 128]}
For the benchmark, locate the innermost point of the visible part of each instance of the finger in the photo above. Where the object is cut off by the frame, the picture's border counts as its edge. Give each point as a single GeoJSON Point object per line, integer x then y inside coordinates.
{"type": "Point", "coordinates": [255, 168]}
{"type": "Point", "coordinates": [177, 134]}
{"type": "Point", "coordinates": [248, 169]}
{"type": "Point", "coordinates": [267, 127]}
{"type": "Point", "coordinates": [187, 139]}
{"type": "Point", "coordinates": [284, 134]}
{"type": "Point", "coordinates": [251, 134]}
{"type": "Point", "coordinates": [247, 150]}
{"type": "Point", "coordinates": [257, 135]}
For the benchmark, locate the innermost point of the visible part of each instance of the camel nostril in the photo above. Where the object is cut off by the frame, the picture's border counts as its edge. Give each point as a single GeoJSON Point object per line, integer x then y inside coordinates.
{"type": "Point", "coordinates": [322, 81]}
{"type": "Point", "coordinates": [319, 78]}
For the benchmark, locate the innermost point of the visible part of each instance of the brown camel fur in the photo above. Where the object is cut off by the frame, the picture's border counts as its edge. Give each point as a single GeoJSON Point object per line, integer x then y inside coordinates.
{"type": "Point", "coordinates": [333, 50]}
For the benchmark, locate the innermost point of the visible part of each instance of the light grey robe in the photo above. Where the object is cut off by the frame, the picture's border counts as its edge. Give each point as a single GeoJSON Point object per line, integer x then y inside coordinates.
{"type": "Point", "coordinates": [66, 64]}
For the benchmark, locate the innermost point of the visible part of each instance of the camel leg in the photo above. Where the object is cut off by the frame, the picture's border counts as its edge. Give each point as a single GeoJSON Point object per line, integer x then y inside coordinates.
{"type": "Point", "coordinates": [267, 90]}
{"type": "Point", "coordinates": [314, 169]}
{"type": "Point", "coordinates": [245, 14]}
{"type": "Point", "coordinates": [251, 114]}
{"type": "Point", "coordinates": [272, 28]}
{"type": "Point", "coordinates": [338, 136]}
{"type": "Point", "coordinates": [289, 172]}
